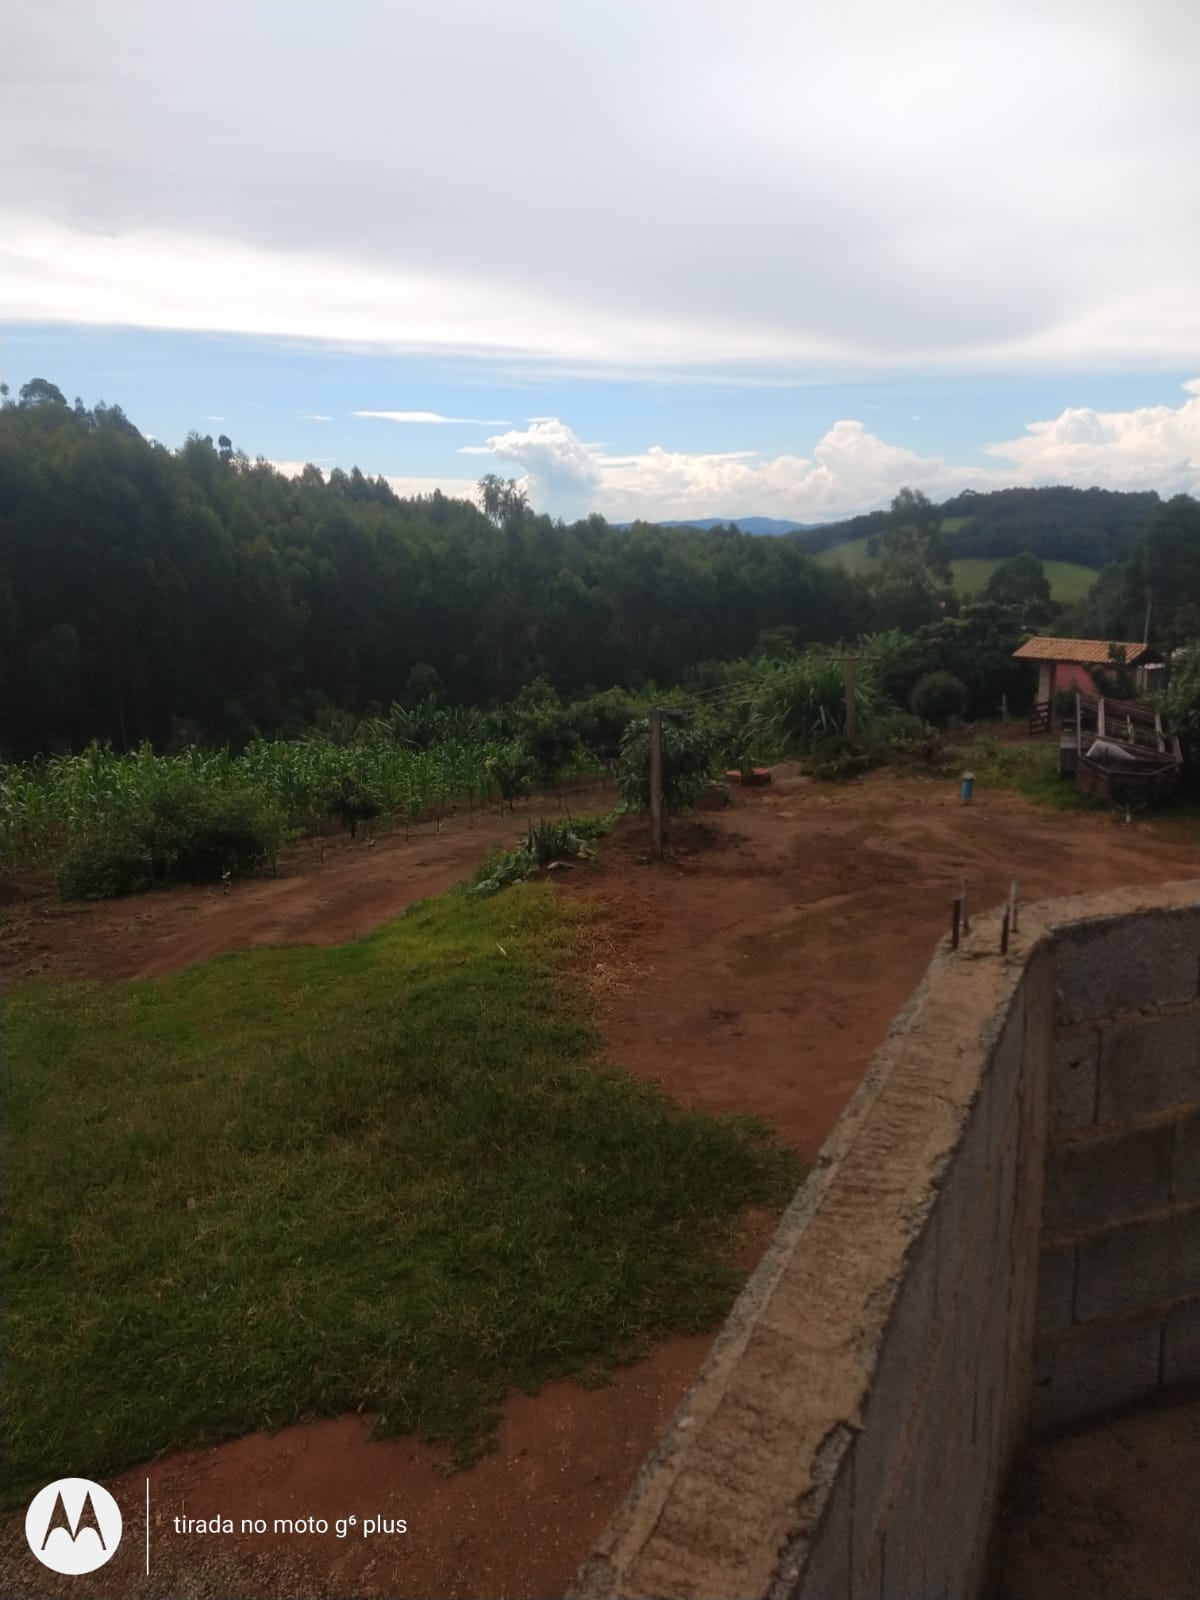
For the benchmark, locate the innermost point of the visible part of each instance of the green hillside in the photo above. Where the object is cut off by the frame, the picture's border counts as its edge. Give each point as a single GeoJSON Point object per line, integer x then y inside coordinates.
{"type": "Point", "coordinates": [1068, 580]}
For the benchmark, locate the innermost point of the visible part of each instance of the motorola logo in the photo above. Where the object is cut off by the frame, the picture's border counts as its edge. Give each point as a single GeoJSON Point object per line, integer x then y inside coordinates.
{"type": "Point", "coordinates": [73, 1525]}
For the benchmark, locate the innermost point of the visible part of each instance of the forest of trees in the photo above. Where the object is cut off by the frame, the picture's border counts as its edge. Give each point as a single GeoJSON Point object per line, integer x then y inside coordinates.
{"type": "Point", "coordinates": [147, 593]}
{"type": "Point", "coordinates": [1088, 526]}
{"type": "Point", "coordinates": [150, 593]}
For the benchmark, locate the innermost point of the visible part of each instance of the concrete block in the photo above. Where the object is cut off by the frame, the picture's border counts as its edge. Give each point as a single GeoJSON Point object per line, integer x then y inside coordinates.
{"type": "Point", "coordinates": [1073, 1077]}
{"type": "Point", "coordinates": [1056, 1289]}
{"type": "Point", "coordinates": [1002, 1074]}
{"type": "Point", "coordinates": [827, 1568]}
{"type": "Point", "coordinates": [1126, 964]}
{"type": "Point", "coordinates": [1181, 1343]}
{"type": "Point", "coordinates": [1149, 1064]}
{"type": "Point", "coordinates": [897, 1392]}
{"type": "Point", "coordinates": [1185, 1174]}
{"type": "Point", "coordinates": [936, 1551]}
{"type": "Point", "coordinates": [1003, 1242]}
{"type": "Point", "coordinates": [1130, 1269]}
{"type": "Point", "coordinates": [869, 1583]}
{"type": "Point", "coordinates": [1092, 1369]}
{"type": "Point", "coordinates": [1092, 1182]}
{"type": "Point", "coordinates": [959, 1195]}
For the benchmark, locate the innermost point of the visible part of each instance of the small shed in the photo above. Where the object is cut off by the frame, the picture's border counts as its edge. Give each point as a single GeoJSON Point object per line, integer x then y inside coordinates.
{"type": "Point", "coordinates": [1069, 663]}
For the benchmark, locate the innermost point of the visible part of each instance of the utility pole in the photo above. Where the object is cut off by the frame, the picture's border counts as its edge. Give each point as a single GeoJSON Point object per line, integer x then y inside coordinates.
{"type": "Point", "coordinates": [656, 783]}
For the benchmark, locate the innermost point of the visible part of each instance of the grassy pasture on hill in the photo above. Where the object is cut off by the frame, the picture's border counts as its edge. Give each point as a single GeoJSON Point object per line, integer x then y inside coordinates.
{"type": "Point", "coordinates": [1068, 581]}
{"type": "Point", "coordinates": [392, 1175]}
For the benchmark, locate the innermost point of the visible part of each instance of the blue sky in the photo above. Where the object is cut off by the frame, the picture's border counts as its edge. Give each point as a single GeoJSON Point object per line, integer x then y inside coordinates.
{"type": "Point", "coordinates": [664, 261]}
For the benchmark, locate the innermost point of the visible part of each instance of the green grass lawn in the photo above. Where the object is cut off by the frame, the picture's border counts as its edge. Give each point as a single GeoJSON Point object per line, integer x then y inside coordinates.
{"type": "Point", "coordinates": [1028, 766]}
{"type": "Point", "coordinates": [1068, 581]}
{"type": "Point", "coordinates": [393, 1175]}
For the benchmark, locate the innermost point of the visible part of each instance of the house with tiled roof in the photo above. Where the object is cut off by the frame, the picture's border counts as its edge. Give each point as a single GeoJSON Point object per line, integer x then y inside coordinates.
{"type": "Point", "coordinates": [1068, 663]}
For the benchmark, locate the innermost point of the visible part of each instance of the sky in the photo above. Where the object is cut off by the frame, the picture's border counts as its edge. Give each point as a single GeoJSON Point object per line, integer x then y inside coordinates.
{"type": "Point", "coordinates": [658, 258]}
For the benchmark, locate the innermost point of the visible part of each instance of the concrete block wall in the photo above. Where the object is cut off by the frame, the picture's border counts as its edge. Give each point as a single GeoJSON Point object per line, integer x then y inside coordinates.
{"type": "Point", "coordinates": [851, 1431]}
{"type": "Point", "coordinates": [1119, 1302]}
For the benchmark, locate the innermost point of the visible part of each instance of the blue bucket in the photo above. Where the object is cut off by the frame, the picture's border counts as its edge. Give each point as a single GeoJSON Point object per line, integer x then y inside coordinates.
{"type": "Point", "coordinates": [968, 786]}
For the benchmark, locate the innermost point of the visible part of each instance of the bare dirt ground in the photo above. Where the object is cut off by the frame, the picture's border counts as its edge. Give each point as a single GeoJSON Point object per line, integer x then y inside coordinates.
{"type": "Point", "coordinates": [1110, 1513]}
{"type": "Point", "coordinates": [756, 971]}
{"type": "Point", "coordinates": [328, 891]}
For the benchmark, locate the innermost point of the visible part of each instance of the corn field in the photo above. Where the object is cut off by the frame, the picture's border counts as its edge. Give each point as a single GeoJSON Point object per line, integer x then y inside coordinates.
{"type": "Point", "coordinates": [50, 803]}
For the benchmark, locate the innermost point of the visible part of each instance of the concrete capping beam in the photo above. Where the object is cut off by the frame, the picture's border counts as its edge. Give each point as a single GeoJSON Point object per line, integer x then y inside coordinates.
{"type": "Point", "coordinates": [756, 1484]}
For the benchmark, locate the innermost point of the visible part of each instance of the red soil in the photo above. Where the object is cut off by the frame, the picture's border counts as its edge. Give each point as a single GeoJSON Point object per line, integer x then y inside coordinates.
{"type": "Point", "coordinates": [755, 971]}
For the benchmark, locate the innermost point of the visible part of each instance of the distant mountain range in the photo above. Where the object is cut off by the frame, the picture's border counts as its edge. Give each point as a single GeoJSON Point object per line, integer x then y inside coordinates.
{"type": "Point", "coordinates": [1087, 527]}
{"type": "Point", "coordinates": [746, 524]}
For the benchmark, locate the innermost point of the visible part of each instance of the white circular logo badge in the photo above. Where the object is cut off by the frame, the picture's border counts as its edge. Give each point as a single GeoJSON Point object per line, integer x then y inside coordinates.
{"type": "Point", "coordinates": [73, 1525]}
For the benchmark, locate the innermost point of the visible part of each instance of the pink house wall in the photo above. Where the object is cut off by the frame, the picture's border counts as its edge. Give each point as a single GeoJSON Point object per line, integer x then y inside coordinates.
{"type": "Point", "coordinates": [1072, 676]}
{"type": "Point", "coordinates": [1054, 676]}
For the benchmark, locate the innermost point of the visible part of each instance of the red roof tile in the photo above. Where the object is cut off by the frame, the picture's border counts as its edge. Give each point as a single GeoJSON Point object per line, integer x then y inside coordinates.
{"type": "Point", "coordinates": [1084, 651]}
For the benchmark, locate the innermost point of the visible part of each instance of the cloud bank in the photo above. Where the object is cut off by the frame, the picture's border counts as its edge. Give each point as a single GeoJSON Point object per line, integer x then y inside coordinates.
{"type": "Point", "coordinates": [849, 470]}
{"type": "Point", "coordinates": [683, 186]}
{"type": "Point", "coordinates": [432, 416]}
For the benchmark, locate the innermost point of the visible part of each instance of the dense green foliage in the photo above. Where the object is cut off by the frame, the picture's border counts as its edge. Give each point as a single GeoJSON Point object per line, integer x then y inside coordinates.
{"type": "Point", "coordinates": [196, 595]}
{"type": "Point", "coordinates": [971, 574]}
{"type": "Point", "coordinates": [184, 828]}
{"type": "Point", "coordinates": [1021, 581]}
{"type": "Point", "coordinates": [689, 757]}
{"type": "Point", "coordinates": [54, 806]}
{"type": "Point", "coordinates": [1183, 708]}
{"type": "Point", "coordinates": [1158, 585]}
{"type": "Point", "coordinates": [801, 704]}
{"type": "Point", "coordinates": [939, 698]}
{"type": "Point", "coordinates": [976, 646]}
{"type": "Point", "coordinates": [391, 1176]}
{"type": "Point", "coordinates": [1086, 526]}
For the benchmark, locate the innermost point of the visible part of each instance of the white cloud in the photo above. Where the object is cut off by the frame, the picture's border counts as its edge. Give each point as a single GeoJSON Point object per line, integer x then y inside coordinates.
{"type": "Point", "coordinates": [1004, 185]}
{"type": "Point", "coordinates": [850, 468]}
{"type": "Point", "coordinates": [407, 487]}
{"type": "Point", "coordinates": [432, 416]}
{"type": "Point", "coordinates": [452, 488]}
{"type": "Point", "coordinates": [560, 470]}
{"type": "Point", "coordinates": [1153, 447]}
{"type": "Point", "coordinates": [293, 469]}
{"type": "Point", "coordinates": [313, 416]}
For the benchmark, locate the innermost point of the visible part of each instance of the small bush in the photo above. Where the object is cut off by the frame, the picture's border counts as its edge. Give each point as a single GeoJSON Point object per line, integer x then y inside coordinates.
{"type": "Point", "coordinates": [800, 706]}
{"type": "Point", "coordinates": [511, 769]}
{"type": "Point", "coordinates": [545, 842]}
{"type": "Point", "coordinates": [553, 841]}
{"type": "Point", "coordinates": [835, 759]}
{"type": "Point", "coordinates": [689, 754]}
{"type": "Point", "coordinates": [1182, 706]}
{"type": "Point", "coordinates": [237, 832]}
{"type": "Point", "coordinates": [105, 865]}
{"type": "Point", "coordinates": [351, 801]}
{"type": "Point", "coordinates": [186, 832]}
{"type": "Point", "coordinates": [910, 742]}
{"type": "Point", "coordinates": [938, 697]}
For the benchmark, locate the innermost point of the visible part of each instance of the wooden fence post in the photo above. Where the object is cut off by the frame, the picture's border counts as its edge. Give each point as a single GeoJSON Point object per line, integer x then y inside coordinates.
{"type": "Point", "coordinates": [851, 699]}
{"type": "Point", "coordinates": [656, 784]}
